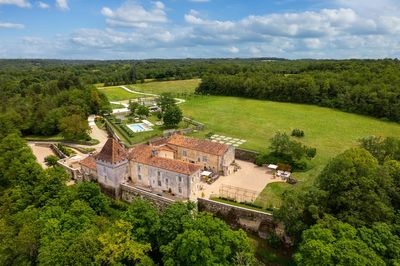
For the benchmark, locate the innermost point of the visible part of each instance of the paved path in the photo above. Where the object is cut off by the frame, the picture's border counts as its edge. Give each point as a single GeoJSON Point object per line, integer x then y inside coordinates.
{"type": "Point", "coordinates": [97, 133]}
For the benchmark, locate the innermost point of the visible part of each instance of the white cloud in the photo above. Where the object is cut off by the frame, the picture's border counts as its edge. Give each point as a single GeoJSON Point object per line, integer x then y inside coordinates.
{"type": "Point", "coordinates": [131, 14]}
{"type": "Point", "coordinates": [342, 32]}
{"type": "Point", "coordinates": [19, 3]}
{"type": "Point", "coordinates": [62, 4]}
{"type": "Point", "coordinates": [233, 50]}
{"type": "Point", "coordinates": [8, 25]}
{"type": "Point", "coordinates": [43, 5]}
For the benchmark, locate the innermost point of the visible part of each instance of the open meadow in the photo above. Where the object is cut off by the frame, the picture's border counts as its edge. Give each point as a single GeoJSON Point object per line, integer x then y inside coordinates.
{"type": "Point", "coordinates": [328, 130]}
{"type": "Point", "coordinates": [118, 94]}
{"type": "Point", "coordinates": [175, 87]}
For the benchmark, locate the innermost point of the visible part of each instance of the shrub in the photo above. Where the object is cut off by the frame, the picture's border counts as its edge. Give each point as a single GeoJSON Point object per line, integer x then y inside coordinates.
{"type": "Point", "coordinates": [127, 130]}
{"type": "Point", "coordinates": [284, 167]}
{"type": "Point", "coordinates": [209, 134]}
{"type": "Point", "coordinates": [51, 160]}
{"type": "Point", "coordinates": [298, 133]}
{"type": "Point", "coordinates": [311, 152]}
{"type": "Point", "coordinates": [274, 241]}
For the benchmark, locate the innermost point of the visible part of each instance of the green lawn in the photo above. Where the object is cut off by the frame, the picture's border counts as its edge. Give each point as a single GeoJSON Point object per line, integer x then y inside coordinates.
{"type": "Point", "coordinates": [117, 106]}
{"type": "Point", "coordinates": [118, 94]}
{"type": "Point", "coordinates": [330, 131]}
{"type": "Point", "coordinates": [176, 87]}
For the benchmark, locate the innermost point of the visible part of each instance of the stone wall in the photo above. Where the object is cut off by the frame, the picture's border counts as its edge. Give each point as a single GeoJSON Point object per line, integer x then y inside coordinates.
{"type": "Point", "coordinates": [257, 222]}
{"type": "Point", "coordinates": [129, 193]}
{"type": "Point", "coordinates": [246, 155]}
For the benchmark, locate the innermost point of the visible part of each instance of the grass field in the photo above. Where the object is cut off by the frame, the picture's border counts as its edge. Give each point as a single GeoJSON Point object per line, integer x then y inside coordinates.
{"type": "Point", "coordinates": [330, 131]}
{"type": "Point", "coordinates": [176, 87]}
{"type": "Point", "coordinates": [118, 94]}
{"type": "Point", "coordinates": [116, 106]}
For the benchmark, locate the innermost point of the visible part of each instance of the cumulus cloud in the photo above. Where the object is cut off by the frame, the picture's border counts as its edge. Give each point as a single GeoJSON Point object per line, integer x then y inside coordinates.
{"type": "Point", "coordinates": [43, 5]}
{"type": "Point", "coordinates": [233, 50]}
{"type": "Point", "coordinates": [62, 4]}
{"type": "Point", "coordinates": [144, 30]}
{"type": "Point", "coordinates": [19, 3]}
{"type": "Point", "coordinates": [8, 25]}
{"type": "Point", "coordinates": [131, 14]}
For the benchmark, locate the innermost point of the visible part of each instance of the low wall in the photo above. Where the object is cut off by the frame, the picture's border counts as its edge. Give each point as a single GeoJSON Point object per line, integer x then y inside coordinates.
{"type": "Point", "coordinates": [169, 132]}
{"type": "Point", "coordinates": [129, 193]}
{"type": "Point", "coordinates": [197, 124]}
{"type": "Point", "coordinates": [57, 151]}
{"type": "Point", "coordinates": [257, 222]}
{"type": "Point", "coordinates": [246, 155]}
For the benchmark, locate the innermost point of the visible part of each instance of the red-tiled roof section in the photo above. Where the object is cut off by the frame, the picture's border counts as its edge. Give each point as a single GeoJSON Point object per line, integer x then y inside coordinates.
{"type": "Point", "coordinates": [166, 148]}
{"type": "Point", "coordinates": [143, 154]}
{"type": "Point", "coordinates": [89, 162]}
{"type": "Point", "coordinates": [112, 152]}
{"type": "Point", "coordinates": [202, 145]}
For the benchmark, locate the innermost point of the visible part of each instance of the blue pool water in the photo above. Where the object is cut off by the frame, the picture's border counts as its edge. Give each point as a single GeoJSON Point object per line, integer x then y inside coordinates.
{"type": "Point", "coordinates": [137, 127]}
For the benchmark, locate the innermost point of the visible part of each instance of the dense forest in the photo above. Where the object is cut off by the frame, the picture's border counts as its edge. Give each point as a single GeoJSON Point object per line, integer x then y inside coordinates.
{"type": "Point", "coordinates": [47, 101]}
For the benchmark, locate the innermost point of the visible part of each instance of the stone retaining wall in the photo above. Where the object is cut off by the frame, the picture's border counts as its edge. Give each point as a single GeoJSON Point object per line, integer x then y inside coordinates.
{"type": "Point", "coordinates": [129, 193]}
{"type": "Point", "coordinates": [257, 222]}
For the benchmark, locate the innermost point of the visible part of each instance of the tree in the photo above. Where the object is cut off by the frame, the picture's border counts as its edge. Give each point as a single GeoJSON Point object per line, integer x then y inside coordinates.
{"type": "Point", "coordinates": [143, 110]}
{"type": "Point", "coordinates": [90, 192]}
{"type": "Point", "coordinates": [172, 220]}
{"type": "Point", "coordinates": [355, 194]}
{"type": "Point", "coordinates": [382, 148]}
{"type": "Point", "coordinates": [331, 242]}
{"type": "Point", "coordinates": [145, 220]}
{"type": "Point", "coordinates": [118, 246]}
{"type": "Point", "coordinates": [74, 127]}
{"type": "Point", "coordinates": [165, 100]}
{"type": "Point", "coordinates": [172, 116]}
{"type": "Point", "coordinates": [51, 160]}
{"type": "Point", "coordinates": [133, 107]}
{"type": "Point", "coordinates": [301, 209]}
{"type": "Point", "coordinates": [206, 241]}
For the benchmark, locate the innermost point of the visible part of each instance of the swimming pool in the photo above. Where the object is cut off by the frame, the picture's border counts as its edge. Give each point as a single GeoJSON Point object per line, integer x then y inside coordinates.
{"type": "Point", "coordinates": [139, 127]}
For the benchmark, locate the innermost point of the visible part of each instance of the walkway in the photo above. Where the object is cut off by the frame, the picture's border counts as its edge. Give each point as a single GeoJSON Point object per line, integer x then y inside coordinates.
{"type": "Point", "coordinates": [97, 133]}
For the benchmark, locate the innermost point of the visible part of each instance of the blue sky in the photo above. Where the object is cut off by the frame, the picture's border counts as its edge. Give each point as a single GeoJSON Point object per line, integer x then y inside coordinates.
{"type": "Point", "coordinates": [137, 29]}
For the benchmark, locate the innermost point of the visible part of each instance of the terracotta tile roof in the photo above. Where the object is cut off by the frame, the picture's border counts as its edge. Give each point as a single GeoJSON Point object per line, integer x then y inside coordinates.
{"type": "Point", "coordinates": [112, 152]}
{"type": "Point", "coordinates": [89, 162]}
{"type": "Point", "coordinates": [166, 148]}
{"type": "Point", "coordinates": [143, 154]}
{"type": "Point", "coordinates": [202, 145]}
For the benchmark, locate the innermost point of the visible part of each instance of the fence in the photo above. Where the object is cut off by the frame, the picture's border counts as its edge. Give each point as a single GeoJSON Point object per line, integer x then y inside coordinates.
{"type": "Point", "coordinates": [237, 193]}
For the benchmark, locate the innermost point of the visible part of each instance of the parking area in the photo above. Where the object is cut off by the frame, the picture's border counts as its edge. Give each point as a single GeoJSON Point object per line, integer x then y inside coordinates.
{"type": "Point", "coordinates": [249, 177]}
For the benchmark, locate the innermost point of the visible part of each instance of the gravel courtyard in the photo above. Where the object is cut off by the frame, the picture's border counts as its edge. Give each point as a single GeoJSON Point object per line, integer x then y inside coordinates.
{"type": "Point", "coordinates": [250, 176]}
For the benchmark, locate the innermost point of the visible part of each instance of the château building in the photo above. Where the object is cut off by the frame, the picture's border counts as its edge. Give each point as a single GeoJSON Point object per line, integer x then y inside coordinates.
{"type": "Point", "coordinates": [173, 165]}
